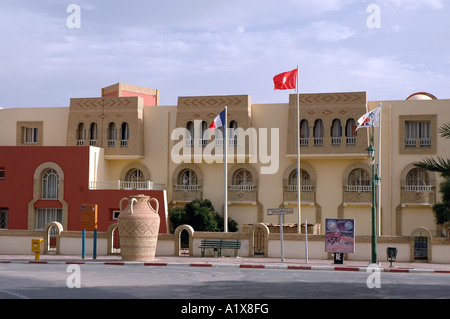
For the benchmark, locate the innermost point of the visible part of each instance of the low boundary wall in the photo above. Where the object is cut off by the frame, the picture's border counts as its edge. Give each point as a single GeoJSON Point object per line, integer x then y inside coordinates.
{"type": "Point", "coordinates": [70, 242]}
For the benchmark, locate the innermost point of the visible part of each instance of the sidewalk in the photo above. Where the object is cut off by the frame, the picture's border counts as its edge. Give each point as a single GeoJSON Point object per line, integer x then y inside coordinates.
{"type": "Point", "coordinates": [230, 262]}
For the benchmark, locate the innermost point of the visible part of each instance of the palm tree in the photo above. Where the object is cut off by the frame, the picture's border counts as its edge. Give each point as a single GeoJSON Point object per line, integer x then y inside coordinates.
{"type": "Point", "coordinates": [441, 166]}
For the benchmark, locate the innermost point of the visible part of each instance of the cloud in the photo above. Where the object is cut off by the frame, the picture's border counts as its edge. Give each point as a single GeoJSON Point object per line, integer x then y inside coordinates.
{"type": "Point", "coordinates": [325, 31]}
{"type": "Point", "coordinates": [414, 4]}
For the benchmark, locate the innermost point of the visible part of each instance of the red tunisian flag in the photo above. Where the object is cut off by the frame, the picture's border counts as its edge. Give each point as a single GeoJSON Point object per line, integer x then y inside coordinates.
{"type": "Point", "coordinates": [285, 80]}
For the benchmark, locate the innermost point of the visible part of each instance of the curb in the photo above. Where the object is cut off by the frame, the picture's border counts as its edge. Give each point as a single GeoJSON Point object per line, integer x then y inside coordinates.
{"type": "Point", "coordinates": [247, 266]}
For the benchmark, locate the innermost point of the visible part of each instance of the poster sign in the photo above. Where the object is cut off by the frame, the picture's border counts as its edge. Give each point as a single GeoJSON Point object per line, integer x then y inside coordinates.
{"type": "Point", "coordinates": [339, 235]}
{"type": "Point", "coordinates": [89, 217]}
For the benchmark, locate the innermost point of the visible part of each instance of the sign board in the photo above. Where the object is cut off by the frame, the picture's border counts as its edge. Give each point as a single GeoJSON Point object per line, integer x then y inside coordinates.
{"type": "Point", "coordinates": [89, 217]}
{"type": "Point", "coordinates": [280, 211]}
{"type": "Point", "coordinates": [339, 235]}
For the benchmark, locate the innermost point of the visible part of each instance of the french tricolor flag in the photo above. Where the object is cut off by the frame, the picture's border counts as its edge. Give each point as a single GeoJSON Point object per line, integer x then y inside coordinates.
{"type": "Point", "coordinates": [218, 121]}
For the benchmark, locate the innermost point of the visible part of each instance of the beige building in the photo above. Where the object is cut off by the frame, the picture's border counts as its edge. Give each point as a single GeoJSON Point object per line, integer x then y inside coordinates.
{"type": "Point", "coordinates": [141, 145]}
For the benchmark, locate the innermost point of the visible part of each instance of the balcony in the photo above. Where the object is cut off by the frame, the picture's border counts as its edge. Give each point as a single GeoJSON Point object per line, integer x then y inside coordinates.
{"type": "Point", "coordinates": [307, 196]}
{"type": "Point", "coordinates": [125, 185]}
{"type": "Point", "coordinates": [418, 195]}
{"type": "Point", "coordinates": [357, 195]}
{"type": "Point", "coordinates": [242, 194]}
{"type": "Point", "coordinates": [186, 193]}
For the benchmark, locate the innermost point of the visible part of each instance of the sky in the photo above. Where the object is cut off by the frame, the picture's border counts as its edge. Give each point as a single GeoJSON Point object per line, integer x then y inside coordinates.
{"type": "Point", "coordinates": [388, 48]}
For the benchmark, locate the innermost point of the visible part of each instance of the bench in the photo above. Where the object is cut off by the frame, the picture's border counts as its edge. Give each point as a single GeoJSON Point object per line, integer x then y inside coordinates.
{"type": "Point", "coordinates": [219, 244]}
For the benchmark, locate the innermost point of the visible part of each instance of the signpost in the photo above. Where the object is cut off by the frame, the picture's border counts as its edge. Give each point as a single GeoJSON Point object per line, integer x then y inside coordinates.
{"type": "Point", "coordinates": [89, 222]}
{"type": "Point", "coordinates": [281, 212]}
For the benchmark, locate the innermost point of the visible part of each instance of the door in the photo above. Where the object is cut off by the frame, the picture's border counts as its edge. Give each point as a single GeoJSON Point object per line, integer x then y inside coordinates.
{"type": "Point", "coordinates": [116, 241]}
{"type": "Point", "coordinates": [184, 243]}
{"type": "Point", "coordinates": [258, 242]}
{"type": "Point", "coordinates": [421, 247]}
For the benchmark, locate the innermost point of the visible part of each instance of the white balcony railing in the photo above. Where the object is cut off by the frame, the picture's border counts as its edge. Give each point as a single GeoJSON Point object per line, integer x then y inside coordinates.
{"type": "Point", "coordinates": [419, 188]}
{"type": "Point", "coordinates": [187, 188]}
{"type": "Point", "coordinates": [336, 141]}
{"type": "Point", "coordinates": [318, 141]}
{"type": "Point", "coordinates": [303, 188]}
{"type": "Point", "coordinates": [425, 141]}
{"type": "Point", "coordinates": [358, 188]}
{"type": "Point", "coordinates": [242, 188]}
{"type": "Point", "coordinates": [410, 142]}
{"type": "Point", "coordinates": [145, 185]}
{"type": "Point", "coordinates": [351, 140]}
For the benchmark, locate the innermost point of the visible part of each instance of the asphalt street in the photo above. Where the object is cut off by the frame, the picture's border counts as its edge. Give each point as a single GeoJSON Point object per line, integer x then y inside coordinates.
{"type": "Point", "coordinates": [95, 281]}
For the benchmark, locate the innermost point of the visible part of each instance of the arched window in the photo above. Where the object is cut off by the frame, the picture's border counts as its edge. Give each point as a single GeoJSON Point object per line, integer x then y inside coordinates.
{"type": "Point", "coordinates": [93, 134]}
{"type": "Point", "coordinates": [81, 134]}
{"type": "Point", "coordinates": [124, 134]}
{"type": "Point", "coordinates": [190, 137]}
{"type": "Point", "coordinates": [350, 131]}
{"type": "Point", "coordinates": [135, 175]}
{"type": "Point", "coordinates": [112, 134]}
{"type": "Point", "coordinates": [305, 183]}
{"type": "Point", "coordinates": [50, 184]}
{"type": "Point", "coordinates": [336, 132]}
{"type": "Point", "coordinates": [242, 181]}
{"type": "Point", "coordinates": [232, 133]}
{"type": "Point", "coordinates": [359, 181]}
{"type": "Point", "coordinates": [318, 132]}
{"type": "Point", "coordinates": [134, 179]}
{"type": "Point", "coordinates": [203, 133]}
{"type": "Point", "coordinates": [417, 180]}
{"type": "Point", "coordinates": [187, 180]}
{"type": "Point", "coordinates": [304, 132]}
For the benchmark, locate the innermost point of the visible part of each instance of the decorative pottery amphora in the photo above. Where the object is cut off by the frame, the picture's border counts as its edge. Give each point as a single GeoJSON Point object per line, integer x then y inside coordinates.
{"type": "Point", "coordinates": [138, 225]}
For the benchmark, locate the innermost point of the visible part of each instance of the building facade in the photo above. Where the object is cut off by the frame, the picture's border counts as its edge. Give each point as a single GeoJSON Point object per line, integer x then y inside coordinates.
{"type": "Point", "coordinates": [99, 150]}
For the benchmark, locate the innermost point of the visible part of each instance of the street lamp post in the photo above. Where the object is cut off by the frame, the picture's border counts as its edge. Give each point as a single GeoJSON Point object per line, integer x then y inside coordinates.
{"type": "Point", "coordinates": [371, 153]}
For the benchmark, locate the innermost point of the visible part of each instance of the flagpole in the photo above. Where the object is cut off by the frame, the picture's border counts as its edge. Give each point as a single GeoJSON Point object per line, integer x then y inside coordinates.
{"type": "Point", "coordinates": [299, 175]}
{"type": "Point", "coordinates": [225, 174]}
{"type": "Point", "coordinates": [379, 172]}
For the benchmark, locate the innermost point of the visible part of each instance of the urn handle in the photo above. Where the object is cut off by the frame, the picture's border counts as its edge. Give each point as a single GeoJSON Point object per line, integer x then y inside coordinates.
{"type": "Point", "coordinates": [130, 203]}
{"type": "Point", "coordinates": [157, 204]}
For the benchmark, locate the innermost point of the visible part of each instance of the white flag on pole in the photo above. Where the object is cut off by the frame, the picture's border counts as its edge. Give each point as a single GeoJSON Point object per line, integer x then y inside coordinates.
{"type": "Point", "coordinates": [370, 119]}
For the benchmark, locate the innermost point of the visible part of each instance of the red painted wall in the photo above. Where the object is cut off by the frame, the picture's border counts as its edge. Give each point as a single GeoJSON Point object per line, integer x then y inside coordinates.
{"type": "Point", "coordinates": [149, 100]}
{"type": "Point", "coordinates": [16, 189]}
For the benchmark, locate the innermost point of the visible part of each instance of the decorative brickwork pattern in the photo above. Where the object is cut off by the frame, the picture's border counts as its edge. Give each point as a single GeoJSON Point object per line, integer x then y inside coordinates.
{"type": "Point", "coordinates": [328, 107]}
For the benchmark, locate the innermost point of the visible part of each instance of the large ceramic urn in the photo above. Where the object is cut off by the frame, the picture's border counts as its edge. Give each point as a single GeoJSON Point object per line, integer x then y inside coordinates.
{"type": "Point", "coordinates": [138, 225]}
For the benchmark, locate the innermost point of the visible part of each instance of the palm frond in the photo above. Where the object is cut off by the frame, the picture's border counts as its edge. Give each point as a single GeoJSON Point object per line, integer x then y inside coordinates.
{"type": "Point", "coordinates": [440, 165]}
{"type": "Point", "coordinates": [444, 130]}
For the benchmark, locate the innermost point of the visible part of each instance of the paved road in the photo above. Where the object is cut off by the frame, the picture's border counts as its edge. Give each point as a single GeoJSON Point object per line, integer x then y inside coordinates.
{"type": "Point", "coordinates": [108, 281]}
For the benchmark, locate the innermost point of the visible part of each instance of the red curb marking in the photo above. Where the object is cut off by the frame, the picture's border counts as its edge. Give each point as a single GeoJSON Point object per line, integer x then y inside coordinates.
{"type": "Point", "coordinates": [155, 264]}
{"type": "Point", "coordinates": [5, 261]}
{"type": "Point", "coordinates": [300, 267]}
{"type": "Point", "coordinates": [346, 268]}
{"type": "Point", "coordinates": [200, 265]}
{"type": "Point", "coordinates": [397, 270]}
{"type": "Point", "coordinates": [37, 262]}
{"type": "Point", "coordinates": [251, 266]}
{"type": "Point", "coordinates": [114, 263]}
